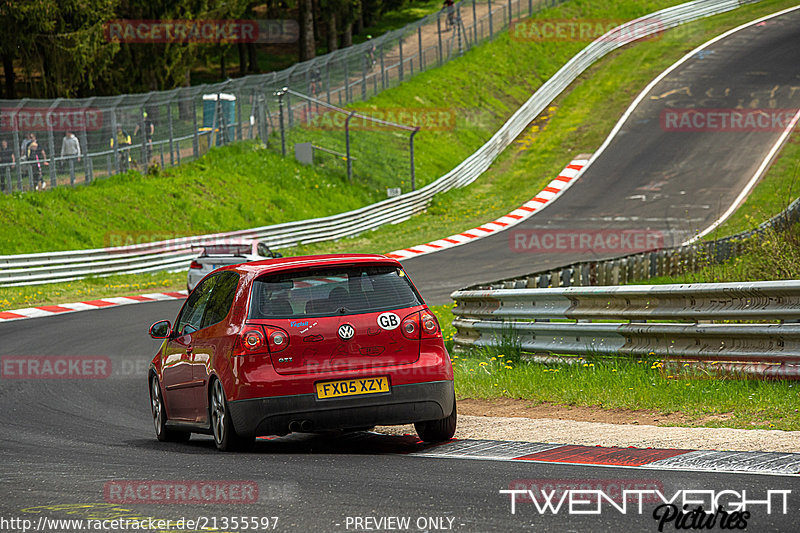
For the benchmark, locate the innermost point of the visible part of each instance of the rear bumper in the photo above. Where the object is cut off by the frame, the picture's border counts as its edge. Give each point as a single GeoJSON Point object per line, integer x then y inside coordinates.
{"type": "Point", "coordinates": [404, 404]}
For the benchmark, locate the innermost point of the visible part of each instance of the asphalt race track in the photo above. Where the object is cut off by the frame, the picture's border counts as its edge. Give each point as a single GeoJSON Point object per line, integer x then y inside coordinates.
{"type": "Point", "coordinates": [66, 441]}
{"type": "Point", "coordinates": [651, 178]}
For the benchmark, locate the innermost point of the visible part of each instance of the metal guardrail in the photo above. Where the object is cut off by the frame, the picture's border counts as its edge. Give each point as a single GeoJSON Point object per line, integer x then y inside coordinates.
{"type": "Point", "coordinates": [522, 318]}
{"type": "Point", "coordinates": [645, 265]}
{"type": "Point", "coordinates": [51, 267]}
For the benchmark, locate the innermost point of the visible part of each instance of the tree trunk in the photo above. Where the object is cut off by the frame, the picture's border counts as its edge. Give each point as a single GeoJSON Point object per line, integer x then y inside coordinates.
{"type": "Point", "coordinates": [185, 104]}
{"type": "Point", "coordinates": [347, 33]}
{"type": "Point", "coordinates": [359, 18]}
{"type": "Point", "coordinates": [252, 58]}
{"type": "Point", "coordinates": [333, 37]}
{"type": "Point", "coordinates": [242, 58]}
{"type": "Point", "coordinates": [222, 70]}
{"type": "Point", "coordinates": [8, 73]}
{"type": "Point", "coordinates": [315, 16]}
{"type": "Point", "coordinates": [306, 23]}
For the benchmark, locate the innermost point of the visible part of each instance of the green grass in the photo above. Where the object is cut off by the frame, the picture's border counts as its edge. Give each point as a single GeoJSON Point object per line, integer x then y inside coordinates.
{"type": "Point", "coordinates": [707, 399]}
{"type": "Point", "coordinates": [234, 187]}
{"type": "Point", "coordinates": [577, 123]}
{"type": "Point", "coordinates": [90, 289]}
{"type": "Point", "coordinates": [772, 256]}
{"type": "Point", "coordinates": [241, 186]}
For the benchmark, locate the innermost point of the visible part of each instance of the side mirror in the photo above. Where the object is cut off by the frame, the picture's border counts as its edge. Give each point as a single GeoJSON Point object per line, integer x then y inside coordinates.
{"type": "Point", "coordinates": [161, 330]}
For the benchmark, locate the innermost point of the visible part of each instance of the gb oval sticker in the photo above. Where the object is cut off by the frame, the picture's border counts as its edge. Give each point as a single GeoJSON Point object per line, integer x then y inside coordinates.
{"type": "Point", "coordinates": [346, 332]}
{"type": "Point", "coordinates": [388, 321]}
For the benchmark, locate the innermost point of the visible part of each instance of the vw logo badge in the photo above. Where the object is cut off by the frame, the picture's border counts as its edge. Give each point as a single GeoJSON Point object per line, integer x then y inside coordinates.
{"type": "Point", "coordinates": [346, 332]}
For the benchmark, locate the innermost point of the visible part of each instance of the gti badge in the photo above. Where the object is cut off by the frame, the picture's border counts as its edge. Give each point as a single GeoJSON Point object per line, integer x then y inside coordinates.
{"type": "Point", "coordinates": [346, 332]}
{"type": "Point", "coordinates": [285, 360]}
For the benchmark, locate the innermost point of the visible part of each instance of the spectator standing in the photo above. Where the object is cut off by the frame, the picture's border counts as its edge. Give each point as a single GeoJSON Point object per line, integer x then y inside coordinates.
{"type": "Point", "coordinates": [37, 160]}
{"type": "Point", "coordinates": [7, 162]}
{"type": "Point", "coordinates": [149, 130]}
{"type": "Point", "coordinates": [123, 142]}
{"type": "Point", "coordinates": [23, 149]}
{"type": "Point", "coordinates": [70, 148]}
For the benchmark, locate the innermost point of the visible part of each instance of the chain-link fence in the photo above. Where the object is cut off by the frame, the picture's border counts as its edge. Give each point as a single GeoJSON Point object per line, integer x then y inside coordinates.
{"type": "Point", "coordinates": [49, 143]}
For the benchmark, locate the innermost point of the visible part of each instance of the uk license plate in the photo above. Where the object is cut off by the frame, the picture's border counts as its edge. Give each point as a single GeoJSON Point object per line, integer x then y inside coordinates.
{"type": "Point", "coordinates": [352, 387]}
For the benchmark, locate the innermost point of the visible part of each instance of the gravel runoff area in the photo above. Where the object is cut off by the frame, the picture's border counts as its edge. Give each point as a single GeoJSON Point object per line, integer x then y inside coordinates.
{"type": "Point", "coordinates": [623, 435]}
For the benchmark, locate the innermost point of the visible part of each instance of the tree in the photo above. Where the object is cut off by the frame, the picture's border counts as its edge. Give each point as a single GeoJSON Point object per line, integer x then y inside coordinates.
{"type": "Point", "coordinates": [59, 41]}
{"type": "Point", "coordinates": [305, 19]}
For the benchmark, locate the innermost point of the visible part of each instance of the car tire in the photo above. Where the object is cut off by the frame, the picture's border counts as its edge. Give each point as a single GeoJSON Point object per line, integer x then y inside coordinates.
{"type": "Point", "coordinates": [225, 436]}
{"type": "Point", "coordinates": [438, 430]}
{"type": "Point", "coordinates": [159, 411]}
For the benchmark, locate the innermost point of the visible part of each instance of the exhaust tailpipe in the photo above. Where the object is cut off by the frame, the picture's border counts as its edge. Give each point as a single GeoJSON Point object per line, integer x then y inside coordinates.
{"type": "Point", "coordinates": [306, 426]}
{"type": "Point", "coordinates": [294, 426]}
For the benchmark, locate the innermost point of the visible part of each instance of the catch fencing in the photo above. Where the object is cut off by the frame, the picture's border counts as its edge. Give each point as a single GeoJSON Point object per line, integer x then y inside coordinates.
{"type": "Point", "coordinates": [28, 269]}
{"type": "Point", "coordinates": [166, 128]}
{"type": "Point", "coordinates": [758, 327]}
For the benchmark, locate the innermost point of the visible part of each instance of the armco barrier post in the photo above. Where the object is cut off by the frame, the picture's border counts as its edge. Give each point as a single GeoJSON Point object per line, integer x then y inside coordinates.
{"type": "Point", "coordinates": [280, 94]}
{"type": "Point", "coordinates": [171, 136]}
{"type": "Point", "coordinates": [439, 33]}
{"type": "Point", "coordinates": [474, 24]}
{"type": "Point", "coordinates": [347, 145]}
{"type": "Point", "coordinates": [400, 50]}
{"type": "Point", "coordinates": [411, 151]}
{"type": "Point", "coordinates": [195, 132]}
{"type": "Point", "coordinates": [491, 29]}
{"type": "Point", "coordinates": [458, 29]}
{"type": "Point", "coordinates": [421, 51]}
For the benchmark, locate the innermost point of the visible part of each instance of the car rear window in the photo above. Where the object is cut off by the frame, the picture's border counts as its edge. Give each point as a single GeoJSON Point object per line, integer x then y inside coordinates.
{"type": "Point", "coordinates": [227, 249]}
{"type": "Point", "coordinates": [329, 292]}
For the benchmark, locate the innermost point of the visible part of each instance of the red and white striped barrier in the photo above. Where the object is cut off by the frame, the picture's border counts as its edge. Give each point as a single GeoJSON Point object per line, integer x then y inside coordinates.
{"type": "Point", "coordinates": [554, 189]}
{"type": "Point", "coordinates": [50, 310]}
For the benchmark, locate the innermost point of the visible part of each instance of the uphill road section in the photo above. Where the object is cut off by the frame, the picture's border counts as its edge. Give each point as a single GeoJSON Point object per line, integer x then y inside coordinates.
{"type": "Point", "coordinates": [677, 161]}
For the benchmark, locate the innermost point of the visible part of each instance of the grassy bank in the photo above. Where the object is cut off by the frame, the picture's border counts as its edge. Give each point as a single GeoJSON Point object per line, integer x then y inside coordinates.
{"type": "Point", "coordinates": [706, 399]}
{"type": "Point", "coordinates": [240, 187]}
{"type": "Point", "coordinates": [577, 123]}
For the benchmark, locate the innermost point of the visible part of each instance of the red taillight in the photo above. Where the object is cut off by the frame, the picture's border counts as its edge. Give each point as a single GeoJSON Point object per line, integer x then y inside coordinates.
{"type": "Point", "coordinates": [195, 264]}
{"type": "Point", "coordinates": [278, 339]}
{"type": "Point", "coordinates": [410, 326]}
{"type": "Point", "coordinates": [421, 325]}
{"type": "Point", "coordinates": [262, 340]}
{"type": "Point", "coordinates": [253, 341]}
{"type": "Point", "coordinates": [430, 326]}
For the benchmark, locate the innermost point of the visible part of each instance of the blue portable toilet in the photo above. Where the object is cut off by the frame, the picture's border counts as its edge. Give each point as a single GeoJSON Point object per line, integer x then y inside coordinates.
{"type": "Point", "coordinates": [227, 109]}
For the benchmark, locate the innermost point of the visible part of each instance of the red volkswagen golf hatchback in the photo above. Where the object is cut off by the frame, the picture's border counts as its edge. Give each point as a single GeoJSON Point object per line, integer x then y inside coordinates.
{"type": "Point", "coordinates": [301, 344]}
